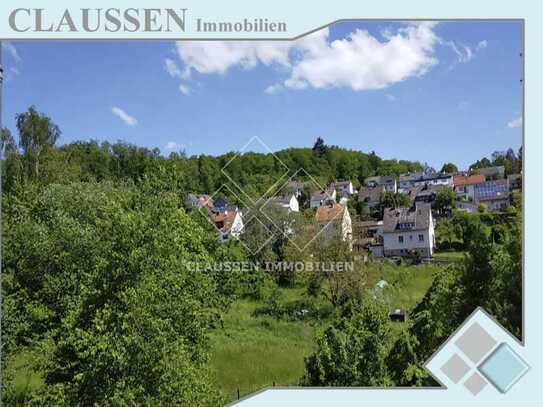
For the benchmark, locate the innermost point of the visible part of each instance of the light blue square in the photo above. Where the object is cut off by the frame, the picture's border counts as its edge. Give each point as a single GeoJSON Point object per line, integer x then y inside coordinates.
{"type": "Point", "coordinates": [503, 368]}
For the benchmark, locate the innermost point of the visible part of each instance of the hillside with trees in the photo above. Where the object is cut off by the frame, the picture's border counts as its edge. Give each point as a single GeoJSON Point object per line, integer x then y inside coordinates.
{"type": "Point", "coordinates": [101, 306]}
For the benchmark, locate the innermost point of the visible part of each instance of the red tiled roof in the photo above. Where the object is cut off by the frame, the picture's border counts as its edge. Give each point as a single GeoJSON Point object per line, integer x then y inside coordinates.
{"type": "Point", "coordinates": [460, 180]}
{"type": "Point", "coordinates": [328, 212]}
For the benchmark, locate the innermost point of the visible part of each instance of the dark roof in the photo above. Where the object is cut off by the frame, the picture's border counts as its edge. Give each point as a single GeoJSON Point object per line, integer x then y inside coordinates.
{"type": "Point", "coordinates": [282, 199]}
{"type": "Point", "coordinates": [421, 177]}
{"type": "Point", "coordinates": [498, 189]}
{"type": "Point", "coordinates": [326, 194]}
{"type": "Point", "coordinates": [370, 194]}
{"type": "Point", "coordinates": [407, 218]}
{"type": "Point", "coordinates": [380, 179]}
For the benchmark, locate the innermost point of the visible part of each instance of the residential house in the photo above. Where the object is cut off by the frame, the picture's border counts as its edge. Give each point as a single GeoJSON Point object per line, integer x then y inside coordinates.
{"type": "Point", "coordinates": [464, 186]}
{"type": "Point", "coordinates": [333, 221]}
{"type": "Point", "coordinates": [344, 188]}
{"type": "Point", "coordinates": [491, 173]}
{"type": "Point", "coordinates": [408, 230]}
{"type": "Point", "coordinates": [229, 222]}
{"type": "Point", "coordinates": [220, 204]}
{"type": "Point", "coordinates": [495, 195]}
{"type": "Point", "coordinates": [296, 187]}
{"type": "Point", "coordinates": [368, 236]}
{"type": "Point", "coordinates": [199, 201]}
{"type": "Point", "coordinates": [408, 181]}
{"type": "Point", "coordinates": [288, 202]}
{"type": "Point", "coordinates": [370, 195]}
{"type": "Point", "coordinates": [320, 197]}
{"type": "Point", "coordinates": [387, 181]}
{"type": "Point", "coordinates": [467, 206]}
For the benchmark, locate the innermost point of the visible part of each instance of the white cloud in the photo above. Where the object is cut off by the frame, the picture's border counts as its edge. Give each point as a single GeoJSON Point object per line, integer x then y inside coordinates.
{"type": "Point", "coordinates": [184, 89]}
{"type": "Point", "coordinates": [125, 117]}
{"type": "Point", "coordinates": [10, 48]}
{"type": "Point", "coordinates": [362, 62]}
{"type": "Point", "coordinates": [482, 44]}
{"type": "Point", "coordinates": [391, 98]}
{"type": "Point", "coordinates": [208, 57]}
{"type": "Point", "coordinates": [515, 123]}
{"type": "Point", "coordinates": [172, 68]}
{"type": "Point", "coordinates": [359, 62]}
{"type": "Point", "coordinates": [273, 89]}
{"type": "Point", "coordinates": [464, 53]}
{"type": "Point", "coordinates": [172, 145]}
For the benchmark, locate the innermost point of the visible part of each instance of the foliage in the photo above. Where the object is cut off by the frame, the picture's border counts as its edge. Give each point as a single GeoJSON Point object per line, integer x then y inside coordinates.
{"type": "Point", "coordinates": [449, 168]}
{"type": "Point", "coordinates": [125, 316]}
{"type": "Point", "coordinates": [444, 202]}
{"type": "Point", "coordinates": [352, 351]}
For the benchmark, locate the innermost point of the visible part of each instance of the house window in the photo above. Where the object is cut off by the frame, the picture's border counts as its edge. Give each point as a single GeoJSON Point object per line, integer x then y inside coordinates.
{"type": "Point", "coordinates": [400, 239]}
{"type": "Point", "coordinates": [421, 238]}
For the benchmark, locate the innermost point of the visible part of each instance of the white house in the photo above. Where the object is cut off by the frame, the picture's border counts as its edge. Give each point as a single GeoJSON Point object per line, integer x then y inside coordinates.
{"type": "Point", "coordinates": [408, 181]}
{"type": "Point", "coordinates": [321, 197]}
{"type": "Point", "coordinates": [408, 230]}
{"type": "Point", "coordinates": [464, 187]}
{"type": "Point", "coordinates": [386, 181]}
{"type": "Point", "coordinates": [229, 223]}
{"type": "Point", "coordinates": [343, 187]}
{"type": "Point", "coordinates": [334, 222]}
{"type": "Point", "coordinates": [288, 202]}
{"type": "Point", "coordinates": [495, 195]}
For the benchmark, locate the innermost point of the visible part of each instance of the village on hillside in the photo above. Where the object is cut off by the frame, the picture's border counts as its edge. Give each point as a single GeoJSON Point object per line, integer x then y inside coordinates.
{"type": "Point", "coordinates": [386, 216]}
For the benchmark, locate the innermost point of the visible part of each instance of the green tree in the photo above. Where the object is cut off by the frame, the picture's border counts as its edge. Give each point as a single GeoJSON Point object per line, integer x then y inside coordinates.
{"type": "Point", "coordinates": [37, 135]}
{"type": "Point", "coordinates": [122, 314]}
{"type": "Point", "coordinates": [445, 201]}
{"type": "Point", "coordinates": [319, 148]}
{"type": "Point", "coordinates": [449, 168]}
{"type": "Point", "coordinates": [352, 351]}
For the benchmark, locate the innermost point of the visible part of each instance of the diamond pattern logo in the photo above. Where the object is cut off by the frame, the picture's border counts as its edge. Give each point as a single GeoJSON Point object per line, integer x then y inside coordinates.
{"type": "Point", "coordinates": [480, 353]}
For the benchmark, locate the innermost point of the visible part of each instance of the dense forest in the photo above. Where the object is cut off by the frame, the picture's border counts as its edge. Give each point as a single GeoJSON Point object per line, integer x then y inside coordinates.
{"type": "Point", "coordinates": [98, 295]}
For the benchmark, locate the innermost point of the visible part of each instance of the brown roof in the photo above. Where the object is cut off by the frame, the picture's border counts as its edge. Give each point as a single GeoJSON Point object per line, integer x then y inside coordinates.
{"type": "Point", "coordinates": [370, 194]}
{"type": "Point", "coordinates": [328, 212]}
{"type": "Point", "coordinates": [460, 180]}
{"type": "Point", "coordinates": [224, 219]}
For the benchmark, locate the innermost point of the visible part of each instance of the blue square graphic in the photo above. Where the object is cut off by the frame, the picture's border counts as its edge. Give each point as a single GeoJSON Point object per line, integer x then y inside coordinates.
{"type": "Point", "coordinates": [503, 368]}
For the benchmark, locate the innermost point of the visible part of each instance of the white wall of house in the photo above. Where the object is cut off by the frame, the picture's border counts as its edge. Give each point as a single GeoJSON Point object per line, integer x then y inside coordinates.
{"type": "Point", "coordinates": [315, 203]}
{"type": "Point", "coordinates": [294, 205]}
{"type": "Point", "coordinates": [346, 226]}
{"type": "Point", "coordinates": [346, 188]}
{"type": "Point", "coordinates": [466, 206]}
{"type": "Point", "coordinates": [391, 187]}
{"type": "Point", "coordinates": [396, 242]}
{"type": "Point", "coordinates": [235, 231]}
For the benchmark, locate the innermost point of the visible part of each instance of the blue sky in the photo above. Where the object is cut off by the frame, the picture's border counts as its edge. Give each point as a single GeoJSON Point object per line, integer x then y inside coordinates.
{"type": "Point", "coordinates": [433, 93]}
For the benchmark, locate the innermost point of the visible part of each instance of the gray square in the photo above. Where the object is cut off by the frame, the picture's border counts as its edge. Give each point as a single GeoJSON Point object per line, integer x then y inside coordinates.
{"type": "Point", "coordinates": [475, 383]}
{"type": "Point", "coordinates": [455, 368]}
{"type": "Point", "coordinates": [475, 342]}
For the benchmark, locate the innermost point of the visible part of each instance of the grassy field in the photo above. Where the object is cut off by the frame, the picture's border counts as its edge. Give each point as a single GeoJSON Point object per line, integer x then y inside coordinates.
{"type": "Point", "coordinates": [254, 352]}
{"type": "Point", "coordinates": [406, 285]}
{"type": "Point", "coordinates": [251, 352]}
